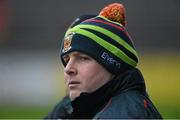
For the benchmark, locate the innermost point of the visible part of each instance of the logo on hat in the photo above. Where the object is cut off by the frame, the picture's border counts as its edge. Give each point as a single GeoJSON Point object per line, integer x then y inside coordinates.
{"type": "Point", "coordinates": [110, 60]}
{"type": "Point", "coordinates": [67, 41]}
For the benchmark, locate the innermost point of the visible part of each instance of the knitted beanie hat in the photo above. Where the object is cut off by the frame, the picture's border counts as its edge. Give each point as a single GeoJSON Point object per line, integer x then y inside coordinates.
{"type": "Point", "coordinates": [104, 38]}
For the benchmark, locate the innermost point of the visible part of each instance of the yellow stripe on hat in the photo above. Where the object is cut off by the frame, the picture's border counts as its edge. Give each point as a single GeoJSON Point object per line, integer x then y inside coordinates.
{"type": "Point", "coordinates": [111, 48]}
{"type": "Point", "coordinates": [111, 35]}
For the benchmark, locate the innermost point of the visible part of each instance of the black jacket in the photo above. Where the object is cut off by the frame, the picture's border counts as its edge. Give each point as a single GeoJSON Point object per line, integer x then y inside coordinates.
{"type": "Point", "coordinates": [123, 97]}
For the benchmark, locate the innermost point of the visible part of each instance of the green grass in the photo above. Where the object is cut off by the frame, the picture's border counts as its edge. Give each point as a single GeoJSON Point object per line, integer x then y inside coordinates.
{"type": "Point", "coordinates": [162, 77]}
{"type": "Point", "coordinates": [19, 112]}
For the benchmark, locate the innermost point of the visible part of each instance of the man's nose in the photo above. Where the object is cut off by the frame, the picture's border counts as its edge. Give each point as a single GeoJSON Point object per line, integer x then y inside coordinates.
{"type": "Point", "coordinates": [70, 68]}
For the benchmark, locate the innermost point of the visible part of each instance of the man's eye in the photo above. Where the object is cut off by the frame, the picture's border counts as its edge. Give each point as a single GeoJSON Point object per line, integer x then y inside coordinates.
{"type": "Point", "coordinates": [83, 58]}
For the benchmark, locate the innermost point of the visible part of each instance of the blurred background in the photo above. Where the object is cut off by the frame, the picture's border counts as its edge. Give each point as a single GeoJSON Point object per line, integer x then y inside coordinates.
{"type": "Point", "coordinates": [31, 75]}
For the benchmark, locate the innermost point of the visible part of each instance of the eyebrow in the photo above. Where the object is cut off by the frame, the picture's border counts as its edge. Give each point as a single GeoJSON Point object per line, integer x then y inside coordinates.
{"type": "Point", "coordinates": [77, 53]}
{"type": "Point", "coordinates": [73, 54]}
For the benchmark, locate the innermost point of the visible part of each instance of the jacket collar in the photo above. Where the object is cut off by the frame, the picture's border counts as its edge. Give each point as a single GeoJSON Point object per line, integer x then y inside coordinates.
{"type": "Point", "coordinates": [130, 80]}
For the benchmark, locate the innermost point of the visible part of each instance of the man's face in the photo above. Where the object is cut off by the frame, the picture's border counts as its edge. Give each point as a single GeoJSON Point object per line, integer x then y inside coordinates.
{"type": "Point", "coordinates": [83, 74]}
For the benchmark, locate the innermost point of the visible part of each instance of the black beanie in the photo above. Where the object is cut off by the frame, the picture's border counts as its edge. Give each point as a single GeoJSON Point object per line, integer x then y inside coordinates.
{"type": "Point", "coordinates": [104, 38]}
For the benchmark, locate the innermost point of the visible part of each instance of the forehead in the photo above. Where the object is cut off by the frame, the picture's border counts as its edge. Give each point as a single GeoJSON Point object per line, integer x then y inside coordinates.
{"type": "Point", "coordinates": [75, 53]}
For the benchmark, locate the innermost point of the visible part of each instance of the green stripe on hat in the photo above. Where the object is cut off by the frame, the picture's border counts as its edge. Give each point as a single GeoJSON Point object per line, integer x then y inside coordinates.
{"type": "Point", "coordinates": [111, 48]}
{"type": "Point", "coordinates": [117, 23]}
{"type": "Point", "coordinates": [111, 35]}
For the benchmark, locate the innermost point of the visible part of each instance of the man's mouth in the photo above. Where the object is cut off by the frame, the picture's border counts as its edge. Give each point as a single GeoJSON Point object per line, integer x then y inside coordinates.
{"type": "Point", "coordinates": [73, 84]}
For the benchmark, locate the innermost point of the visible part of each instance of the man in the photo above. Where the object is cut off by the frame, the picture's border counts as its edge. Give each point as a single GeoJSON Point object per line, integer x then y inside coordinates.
{"type": "Point", "coordinates": [100, 70]}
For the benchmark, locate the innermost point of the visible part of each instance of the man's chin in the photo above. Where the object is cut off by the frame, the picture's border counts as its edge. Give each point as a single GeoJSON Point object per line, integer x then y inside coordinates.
{"type": "Point", "coordinates": [73, 95]}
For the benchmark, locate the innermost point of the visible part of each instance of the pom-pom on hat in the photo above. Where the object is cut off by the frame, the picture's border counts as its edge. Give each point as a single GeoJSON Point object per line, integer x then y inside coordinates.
{"type": "Point", "coordinates": [114, 12]}
{"type": "Point", "coordinates": [104, 38]}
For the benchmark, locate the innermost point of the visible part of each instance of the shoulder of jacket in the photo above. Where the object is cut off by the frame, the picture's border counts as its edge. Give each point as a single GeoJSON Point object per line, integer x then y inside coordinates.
{"type": "Point", "coordinates": [125, 105]}
{"type": "Point", "coordinates": [61, 110]}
